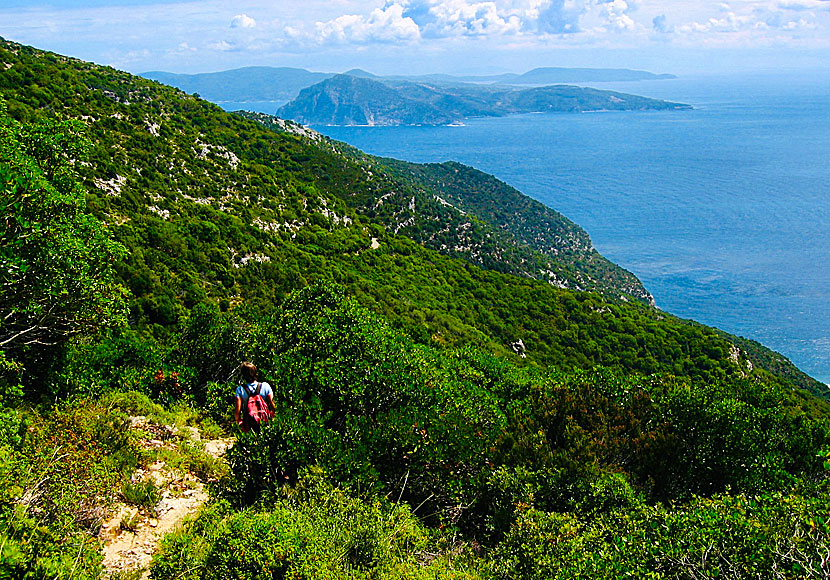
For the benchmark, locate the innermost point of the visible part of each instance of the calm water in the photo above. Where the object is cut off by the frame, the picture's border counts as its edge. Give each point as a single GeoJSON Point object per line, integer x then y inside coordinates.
{"type": "Point", "coordinates": [723, 212]}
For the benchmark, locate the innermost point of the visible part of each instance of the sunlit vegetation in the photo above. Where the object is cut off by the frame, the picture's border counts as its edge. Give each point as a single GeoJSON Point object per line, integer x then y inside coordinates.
{"type": "Point", "coordinates": [411, 438]}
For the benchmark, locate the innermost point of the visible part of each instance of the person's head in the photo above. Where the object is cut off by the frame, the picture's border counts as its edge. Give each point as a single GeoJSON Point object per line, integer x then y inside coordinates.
{"type": "Point", "coordinates": [248, 371]}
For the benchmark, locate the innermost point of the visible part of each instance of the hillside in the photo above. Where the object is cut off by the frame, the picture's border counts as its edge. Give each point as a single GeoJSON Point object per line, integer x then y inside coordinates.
{"type": "Point", "coordinates": [213, 207]}
{"type": "Point", "coordinates": [435, 416]}
{"type": "Point", "coordinates": [347, 100]}
{"type": "Point", "coordinates": [462, 212]}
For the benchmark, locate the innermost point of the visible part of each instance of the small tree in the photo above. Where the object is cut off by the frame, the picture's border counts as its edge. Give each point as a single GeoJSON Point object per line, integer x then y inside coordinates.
{"type": "Point", "coordinates": [56, 261]}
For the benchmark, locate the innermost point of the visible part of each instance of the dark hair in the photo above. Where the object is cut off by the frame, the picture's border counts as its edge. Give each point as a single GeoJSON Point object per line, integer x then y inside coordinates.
{"type": "Point", "coordinates": [248, 371]}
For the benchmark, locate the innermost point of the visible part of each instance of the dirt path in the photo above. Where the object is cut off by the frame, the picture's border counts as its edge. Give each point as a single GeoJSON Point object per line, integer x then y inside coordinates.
{"type": "Point", "coordinates": [132, 536]}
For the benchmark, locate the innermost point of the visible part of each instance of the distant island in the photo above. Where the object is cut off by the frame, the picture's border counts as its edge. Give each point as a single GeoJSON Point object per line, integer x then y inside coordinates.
{"type": "Point", "coordinates": [553, 76]}
{"type": "Point", "coordinates": [265, 83]}
{"type": "Point", "coordinates": [353, 100]}
{"type": "Point", "coordinates": [253, 83]}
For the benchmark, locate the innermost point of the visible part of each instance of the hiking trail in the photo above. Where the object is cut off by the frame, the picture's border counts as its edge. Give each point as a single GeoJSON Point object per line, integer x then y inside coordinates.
{"type": "Point", "coordinates": [132, 535]}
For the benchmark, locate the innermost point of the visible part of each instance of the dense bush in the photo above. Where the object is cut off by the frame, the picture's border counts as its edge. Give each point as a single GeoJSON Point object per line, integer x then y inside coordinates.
{"type": "Point", "coordinates": [312, 531]}
{"type": "Point", "coordinates": [56, 260]}
{"type": "Point", "coordinates": [469, 438]}
{"type": "Point", "coordinates": [352, 395]}
{"type": "Point", "coordinates": [55, 486]}
{"type": "Point", "coordinates": [655, 450]}
{"type": "Point", "coordinates": [772, 536]}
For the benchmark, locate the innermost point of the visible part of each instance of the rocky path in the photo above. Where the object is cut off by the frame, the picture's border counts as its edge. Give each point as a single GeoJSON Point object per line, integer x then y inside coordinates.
{"type": "Point", "coordinates": [131, 536]}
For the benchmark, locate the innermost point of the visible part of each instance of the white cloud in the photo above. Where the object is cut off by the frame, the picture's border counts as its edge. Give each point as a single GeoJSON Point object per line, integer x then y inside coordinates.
{"type": "Point", "coordinates": [222, 46]}
{"type": "Point", "coordinates": [804, 4]}
{"type": "Point", "coordinates": [731, 22]}
{"type": "Point", "coordinates": [547, 21]}
{"type": "Point", "coordinates": [383, 25]}
{"type": "Point", "coordinates": [759, 18]}
{"type": "Point", "coordinates": [243, 21]}
{"type": "Point", "coordinates": [454, 18]}
{"type": "Point", "coordinates": [559, 17]}
{"type": "Point", "coordinates": [461, 18]}
{"type": "Point", "coordinates": [617, 13]}
{"type": "Point", "coordinates": [799, 24]}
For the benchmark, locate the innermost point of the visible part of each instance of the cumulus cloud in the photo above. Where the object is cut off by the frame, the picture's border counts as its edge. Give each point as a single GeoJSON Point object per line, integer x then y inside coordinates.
{"type": "Point", "coordinates": [730, 22]}
{"type": "Point", "coordinates": [758, 17]}
{"type": "Point", "coordinates": [415, 19]}
{"type": "Point", "coordinates": [385, 24]}
{"type": "Point", "coordinates": [462, 18]}
{"type": "Point", "coordinates": [617, 14]}
{"type": "Point", "coordinates": [559, 17]}
{"type": "Point", "coordinates": [527, 20]}
{"type": "Point", "coordinates": [243, 21]}
{"type": "Point", "coordinates": [445, 18]}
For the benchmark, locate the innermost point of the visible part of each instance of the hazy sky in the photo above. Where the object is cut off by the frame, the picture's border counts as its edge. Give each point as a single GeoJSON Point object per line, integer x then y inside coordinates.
{"type": "Point", "coordinates": [419, 36]}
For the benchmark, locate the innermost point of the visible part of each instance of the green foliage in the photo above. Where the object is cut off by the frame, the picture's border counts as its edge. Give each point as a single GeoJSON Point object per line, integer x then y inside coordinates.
{"type": "Point", "coordinates": [768, 536]}
{"type": "Point", "coordinates": [29, 551]}
{"type": "Point", "coordinates": [311, 531]}
{"type": "Point", "coordinates": [472, 440]}
{"type": "Point", "coordinates": [56, 261]}
{"type": "Point", "coordinates": [375, 410]}
{"type": "Point", "coordinates": [143, 494]}
{"type": "Point", "coordinates": [55, 485]}
{"type": "Point", "coordinates": [214, 344]}
{"type": "Point", "coordinates": [655, 450]}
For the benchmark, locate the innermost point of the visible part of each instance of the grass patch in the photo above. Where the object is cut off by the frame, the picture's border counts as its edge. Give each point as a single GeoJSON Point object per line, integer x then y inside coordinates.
{"type": "Point", "coordinates": [143, 494]}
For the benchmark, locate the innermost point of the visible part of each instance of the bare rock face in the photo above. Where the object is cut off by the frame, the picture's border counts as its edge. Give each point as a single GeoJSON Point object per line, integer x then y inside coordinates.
{"type": "Point", "coordinates": [519, 348]}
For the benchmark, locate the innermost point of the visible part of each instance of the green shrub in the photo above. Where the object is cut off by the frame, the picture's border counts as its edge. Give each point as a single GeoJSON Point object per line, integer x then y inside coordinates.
{"type": "Point", "coordinates": [313, 531]}
{"type": "Point", "coordinates": [213, 344]}
{"type": "Point", "coordinates": [772, 536]}
{"type": "Point", "coordinates": [30, 551]}
{"type": "Point", "coordinates": [143, 494]}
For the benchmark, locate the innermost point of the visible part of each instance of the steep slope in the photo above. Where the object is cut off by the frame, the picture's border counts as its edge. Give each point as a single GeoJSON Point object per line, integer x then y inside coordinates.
{"type": "Point", "coordinates": [347, 100]}
{"type": "Point", "coordinates": [465, 213]}
{"type": "Point", "coordinates": [528, 222]}
{"type": "Point", "coordinates": [215, 208]}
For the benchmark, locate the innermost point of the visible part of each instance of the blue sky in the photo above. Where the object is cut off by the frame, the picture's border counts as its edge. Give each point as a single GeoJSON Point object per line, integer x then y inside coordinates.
{"type": "Point", "coordinates": [420, 36]}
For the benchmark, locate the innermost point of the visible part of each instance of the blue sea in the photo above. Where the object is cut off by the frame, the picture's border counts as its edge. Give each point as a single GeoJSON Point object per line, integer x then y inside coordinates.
{"type": "Point", "coordinates": [722, 211]}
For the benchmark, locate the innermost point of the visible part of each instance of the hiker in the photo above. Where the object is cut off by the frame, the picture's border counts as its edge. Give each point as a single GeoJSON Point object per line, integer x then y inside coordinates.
{"type": "Point", "coordinates": [254, 403]}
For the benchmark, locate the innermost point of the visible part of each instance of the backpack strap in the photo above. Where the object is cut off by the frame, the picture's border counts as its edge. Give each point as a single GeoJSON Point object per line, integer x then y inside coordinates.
{"type": "Point", "coordinates": [250, 392]}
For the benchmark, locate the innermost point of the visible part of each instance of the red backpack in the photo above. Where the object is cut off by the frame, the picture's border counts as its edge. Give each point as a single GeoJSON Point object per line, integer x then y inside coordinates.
{"type": "Point", "coordinates": [257, 410]}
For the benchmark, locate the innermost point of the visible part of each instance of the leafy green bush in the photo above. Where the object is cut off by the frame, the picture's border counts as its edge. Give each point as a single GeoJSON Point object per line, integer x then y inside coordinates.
{"type": "Point", "coordinates": [361, 400]}
{"type": "Point", "coordinates": [312, 531]}
{"type": "Point", "coordinates": [56, 260]}
{"type": "Point", "coordinates": [143, 494]}
{"type": "Point", "coordinates": [213, 344]}
{"type": "Point", "coordinates": [471, 439]}
{"type": "Point", "coordinates": [29, 551]}
{"type": "Point", "coordinates": [768, 536]}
